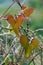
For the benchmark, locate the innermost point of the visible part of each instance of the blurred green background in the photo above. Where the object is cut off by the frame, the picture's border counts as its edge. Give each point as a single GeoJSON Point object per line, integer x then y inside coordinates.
{"type": "Point", "coordinates": [36, 17]}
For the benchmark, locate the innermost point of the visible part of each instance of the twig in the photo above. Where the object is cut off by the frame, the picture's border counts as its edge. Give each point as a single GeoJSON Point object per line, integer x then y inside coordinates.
{"type": "Point", "coordinates": [6, 43]}
{"type": "Point", "coordinates": [8, 51]}
{"type": "Point", "coordinates": [38, 30]}
{"type": "Point", "coordinates": [25, 30]}
{"type": "Point", "coordinates": [5, 59]}
{"type": "Point", "coordinates": [7, 9]}
{"type": "Point", "coordinates": [20, 55]}
{"type": "Point", "coordinates": [33, 62]}
{"type": "Point", "coordinates": [33, 58]}
{"type": "Point", "coordinates": [41, 57]}
{"type": "Point", "coordinates": [4, 34]}
{"type": "Point", "coordinates": [7, 28]}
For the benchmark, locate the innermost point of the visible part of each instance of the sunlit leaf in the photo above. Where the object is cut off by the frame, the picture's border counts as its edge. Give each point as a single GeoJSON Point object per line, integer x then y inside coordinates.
{"type": "Point", "coordinates": [13, 23]}
{"type": "Point", "coordinates": [34, 43]}
{"type": "Point", "coordinates": [28, 12]}
{"type": "Point", "coordinates": [11, 20]}
{"type": "Point", "coordinates": [20, 19]}
{"type": "Point", "coordinates": [26, 46]}
{"type": "Point", "coordinates": [28, 51]}
{"type": "Point", "coordinates": [24, 40]}
{"type": "Point", "coordinates": [7, 62]}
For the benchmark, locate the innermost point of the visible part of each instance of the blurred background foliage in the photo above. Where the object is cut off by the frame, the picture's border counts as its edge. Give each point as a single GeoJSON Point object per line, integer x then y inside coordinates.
{"type": "Point", "coordinates": [36, 17]}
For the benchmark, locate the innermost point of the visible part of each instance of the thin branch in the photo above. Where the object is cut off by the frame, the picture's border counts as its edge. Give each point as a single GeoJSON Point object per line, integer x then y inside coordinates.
{"type": "Point", "coordinates": [6, 10]}
{"type": "Point", "coordinates": [33, 62]}
{"type": "Point", "coordinates": [5, 59]}
{"type": "Point", "coordinates": [38, 30]}
{"type": "Point", "coordinates": [7, 28]}
{"type": "Point", "coordinates": [8, 52]}
{"type": "Point", "coordinates": [4, 34]}
{"type": "Point", "coordinates": [41, 57]}
{"type": "Point", "coordinates": [33, 58]}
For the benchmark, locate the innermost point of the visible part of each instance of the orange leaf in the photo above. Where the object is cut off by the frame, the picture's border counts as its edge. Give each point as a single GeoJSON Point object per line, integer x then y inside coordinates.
{"type": "Point", "coordinates": [28, 12]}
{"type": "Point", "coordinates": [25, 44]}
{"type": "Point", "coordinates": [20, 19]}
{"type": "Point", "coordinates": [13, 23]}
{"type": "Point", "coordinates": [34, 43]}
{"type": "Point", "coordinates": [11, 20]}
{"type": "Point", "coordinates": [24, 40]}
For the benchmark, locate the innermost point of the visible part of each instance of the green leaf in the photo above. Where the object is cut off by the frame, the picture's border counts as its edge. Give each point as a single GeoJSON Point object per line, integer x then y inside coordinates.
{"type": "Point", "coordinates": [6, 62]}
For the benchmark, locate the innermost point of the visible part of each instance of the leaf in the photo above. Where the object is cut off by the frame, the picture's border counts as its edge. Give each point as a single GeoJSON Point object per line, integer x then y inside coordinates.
{"type": "Point", "coordinates": [11, 20]}
{"type": "Point", "coordinates": [34, 43]}
{"type": "Point", "coordinates": [28, 12]}
{"type": "Point", "coordinates": [28, 47]}
{"type": "Point", "coordinates": [10, 30]}
{"type": "Point", "coordinates": [40, 32]}
{"type": "Point", "coordinates": [28, 51]}
{"type": "Point", "coordinates": [13, 23]}
{"type": "Point", "coordinates": [25, 44]}
{"type": "Point", "coordinates": [7, 62]}
{"type": "Point", "coordinates": [20, 19]}
{"type": "Point", "coordinates": [24, 40]}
